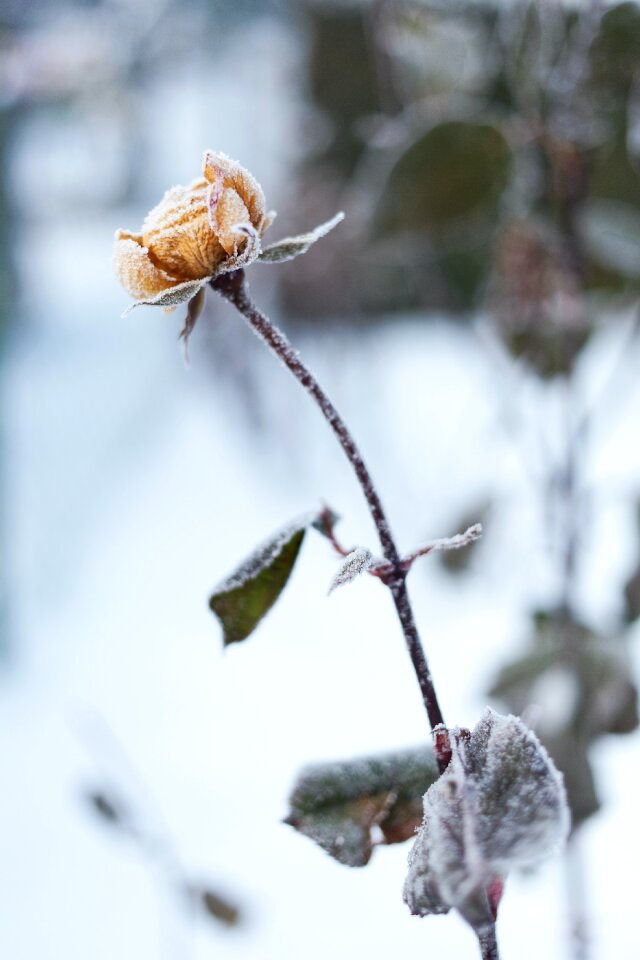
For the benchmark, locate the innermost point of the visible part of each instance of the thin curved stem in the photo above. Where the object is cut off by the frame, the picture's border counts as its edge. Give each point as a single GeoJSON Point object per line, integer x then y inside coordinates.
{"type": "Point", "coordinates": [489, 944]}
{"type": "Point", "coordinates": [233, 287]}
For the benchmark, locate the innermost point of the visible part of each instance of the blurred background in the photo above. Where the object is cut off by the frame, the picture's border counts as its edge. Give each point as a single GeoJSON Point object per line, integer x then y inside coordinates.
{"type": "Point", "coordinates": [474, 318]}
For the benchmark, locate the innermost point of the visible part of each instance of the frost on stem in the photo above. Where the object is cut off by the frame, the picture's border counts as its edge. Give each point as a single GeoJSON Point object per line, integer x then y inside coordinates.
{"type": "Point", "coordinates": [500, 804]}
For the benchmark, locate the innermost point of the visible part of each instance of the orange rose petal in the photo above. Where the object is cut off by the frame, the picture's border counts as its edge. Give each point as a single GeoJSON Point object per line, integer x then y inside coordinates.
{"type": "Point", "coordinates": [230, 211]}
{"type": "Point", "coordinates": [240, 180]}
{"type": "Point", "coordinates": [139, 276]}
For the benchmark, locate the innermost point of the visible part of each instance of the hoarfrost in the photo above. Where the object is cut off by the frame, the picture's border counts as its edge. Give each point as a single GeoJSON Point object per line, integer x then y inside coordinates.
{"type": "Point", "coordinates": [355, 563]}
{"type": "Point", "coordinates": [290, 247]}
{"type": "Point", "coordinates": [171, 298]}
{"type": "Point", "coordinates": [264, 555]}
{"type": "Point", "coordinates": [499, 804]}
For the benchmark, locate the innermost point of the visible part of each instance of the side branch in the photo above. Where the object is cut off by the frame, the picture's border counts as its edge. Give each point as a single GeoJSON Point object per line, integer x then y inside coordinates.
{"type": "Point", "coordinates": [233, 287]}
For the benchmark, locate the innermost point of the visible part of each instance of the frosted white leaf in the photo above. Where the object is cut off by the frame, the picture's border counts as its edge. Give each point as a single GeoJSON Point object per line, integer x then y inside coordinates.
{"type": "Point", "coordinates": [522, 803]}
{"type": "Point", "coordinates": [291, 247]}
{"type": "Point", "coordinates": [499, 804]}
{"type": "Point", "coordinates": [172, 297]}
{"type": "Point", "coordinates": [352, 566]}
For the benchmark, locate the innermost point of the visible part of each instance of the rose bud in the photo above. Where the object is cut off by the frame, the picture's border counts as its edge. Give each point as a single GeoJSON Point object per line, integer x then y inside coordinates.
{"type": "Point", "coordinates": [199, 232]}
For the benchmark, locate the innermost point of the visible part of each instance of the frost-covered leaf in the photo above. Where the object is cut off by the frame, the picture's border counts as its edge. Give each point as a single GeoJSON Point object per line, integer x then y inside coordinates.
{"type": "Point", "coordinates": [291, 247]}
{"type": "Point", "coordinates": [243, 598]}
{"type": "Point", "coordinates": [173, 297]}
{"type": "Point", "coordinates": [341, 805]}
{"type": "Point", "coordinates": [355, 563]}
{"type": "Point", "coordinates": [457, 561]}
{"type": "Point", "coordinates": [500, 804]}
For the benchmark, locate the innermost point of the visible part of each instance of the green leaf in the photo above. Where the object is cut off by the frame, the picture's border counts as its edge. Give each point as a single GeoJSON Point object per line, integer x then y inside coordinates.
{"type": "Point", "coordinates": [452, 172]}
{"type": "Point", "coordinates": [615, 53]}
{"type": "Point", "coordinates": [242, 599]}
{"type": "Point", "coordinates": [338, 805]}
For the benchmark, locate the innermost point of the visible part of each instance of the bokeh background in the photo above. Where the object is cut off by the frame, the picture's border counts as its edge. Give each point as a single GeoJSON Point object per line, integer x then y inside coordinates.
{"type": "Point", "coordinates": [474, 318]}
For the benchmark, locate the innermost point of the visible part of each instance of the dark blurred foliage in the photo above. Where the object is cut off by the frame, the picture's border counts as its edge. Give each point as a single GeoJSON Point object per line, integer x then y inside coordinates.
{"type": "Point", "coordinates": [488, 157]}
{"type": "Point", "coordinates": [489, 151]}
{"type": "Point", "coordinates": [590, 674]}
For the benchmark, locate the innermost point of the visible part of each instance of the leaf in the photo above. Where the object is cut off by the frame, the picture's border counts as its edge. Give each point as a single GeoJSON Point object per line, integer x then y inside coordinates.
{"type": "Point", "coordinates": [215, 906]}
{"type": "Point", "coordinates": [457, 561]}
{"type": "Point", "coordinates": [339, 805]}
{"type": "Point", "coordinates": [108, 808]}
{"type": "Point", "coordinates": [499, 804]}
{"type": "Point", "coordinates": [181, 293]}
{"type": "Point", "coordinates": [242, 599]}
{"type": "Point", "coordinates": [195, 307]}
{"type": "Point", "coordinates": [632, 597]}
{"type": "Point", "coordinates": [615, 54]}
{"type": "Point", "coordinates": [291, 247]}
{"type": "Point", "coordinates": [451, 172]}
{"type": "Point", "coordinates": [355, 563]}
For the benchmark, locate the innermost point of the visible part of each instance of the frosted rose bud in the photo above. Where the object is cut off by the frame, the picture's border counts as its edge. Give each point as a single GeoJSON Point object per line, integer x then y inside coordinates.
{"type": "Point", "coordinates": [198, 232]}
{"type": "Point", "coordinates": [193, 234]}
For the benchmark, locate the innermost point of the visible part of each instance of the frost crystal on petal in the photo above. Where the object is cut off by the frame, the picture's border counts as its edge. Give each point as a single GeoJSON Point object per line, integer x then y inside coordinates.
{"type": "Point", "coordinates": [291, 247]}
{"type": "Point", "coordinates": [499, 804]}
{"type": "Point", "coordinates": [352, 566]}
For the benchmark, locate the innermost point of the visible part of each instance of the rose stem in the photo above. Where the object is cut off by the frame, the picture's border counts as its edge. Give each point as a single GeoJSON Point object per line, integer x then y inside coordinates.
{"type": "Point", "coordinates": [488, 943]}
{"type": "Point", "coordinates": [234, 288]}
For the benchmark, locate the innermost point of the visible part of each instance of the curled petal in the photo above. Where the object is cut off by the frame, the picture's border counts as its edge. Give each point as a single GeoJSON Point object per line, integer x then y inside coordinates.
{"type": "Point", "coordinates": [213, 195]}
{"type": "Point", "coordinates": [239, 179]}
{"type": "Point", "coordinates": [267, 220]}
{"type": "Point", "coordinates": [250, 252]}
{"type": "Point", "coordinates": [137, 273]}
{"type": "Point", "coordinates": [229, 212]}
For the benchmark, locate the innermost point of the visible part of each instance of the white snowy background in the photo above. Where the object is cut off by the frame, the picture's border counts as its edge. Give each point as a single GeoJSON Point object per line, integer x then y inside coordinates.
{"type": "Point", "coordinates": [135, 483]}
